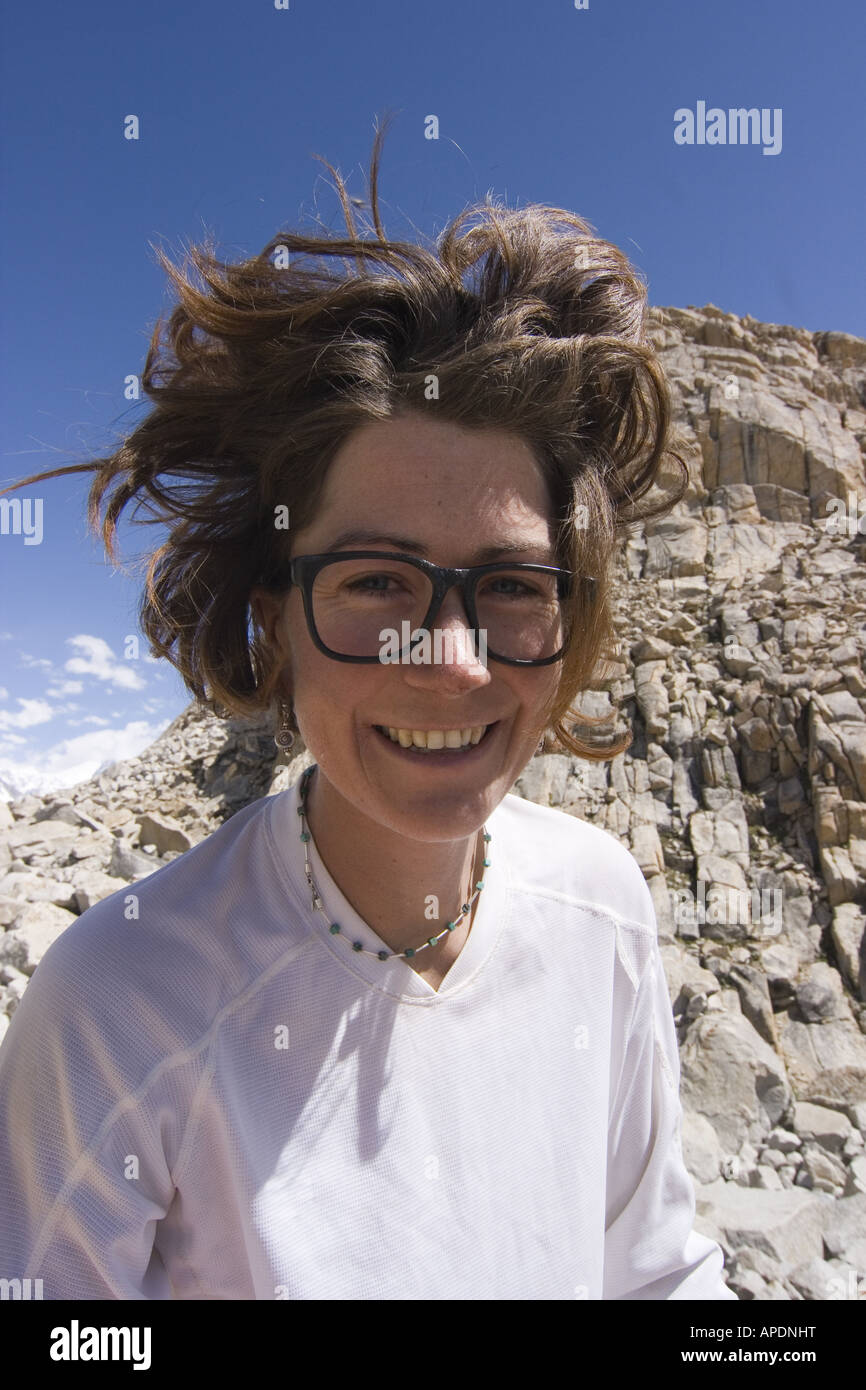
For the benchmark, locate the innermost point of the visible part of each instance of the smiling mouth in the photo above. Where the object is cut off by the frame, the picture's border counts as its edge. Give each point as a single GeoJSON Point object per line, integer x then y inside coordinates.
{"type": "Point", "coordinates": [450, 741]}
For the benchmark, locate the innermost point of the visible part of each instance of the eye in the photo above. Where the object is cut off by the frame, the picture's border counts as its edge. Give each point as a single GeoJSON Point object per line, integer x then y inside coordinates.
{"type": "Point", "coordinates": [380, 584]}
{"type": "Point", "coordinates": [516, 584]}
{"type": "Point", "coordinates": [369, 579]}
{"type": "Point", "coordinates": [510, 586]}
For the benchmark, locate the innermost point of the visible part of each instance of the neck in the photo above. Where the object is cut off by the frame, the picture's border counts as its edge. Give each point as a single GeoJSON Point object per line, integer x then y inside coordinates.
{"type": "Point", "coordinates": [391, 880]}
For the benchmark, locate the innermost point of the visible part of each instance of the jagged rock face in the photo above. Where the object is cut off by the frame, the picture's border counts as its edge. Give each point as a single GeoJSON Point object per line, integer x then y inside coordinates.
{"type": "Point", "coordinates": [742, 618]}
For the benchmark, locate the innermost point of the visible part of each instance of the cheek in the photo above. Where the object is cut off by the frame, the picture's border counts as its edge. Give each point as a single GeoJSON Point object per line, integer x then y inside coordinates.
{"type": "Point", "coordinates": [537, 688]}
{"type": "Point", "coordinates": [330, 692]}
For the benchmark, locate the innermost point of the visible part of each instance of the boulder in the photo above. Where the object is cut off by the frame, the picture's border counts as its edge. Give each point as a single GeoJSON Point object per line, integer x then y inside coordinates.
{"type": "Point", "coordinates": [35, 927]}
{"type": "Point", "coordinates": [786, 1226]}
{"type": "Point", "coordinates": [163, 832]}
{"type": "Point", "coordinates": [849, 940]}
{"type": "Point", "coordinates": [732, 1077]}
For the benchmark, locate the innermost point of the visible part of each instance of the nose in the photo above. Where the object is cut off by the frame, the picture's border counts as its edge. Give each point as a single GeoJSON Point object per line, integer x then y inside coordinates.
{"type": "Point", "coordinates": [455, 662]}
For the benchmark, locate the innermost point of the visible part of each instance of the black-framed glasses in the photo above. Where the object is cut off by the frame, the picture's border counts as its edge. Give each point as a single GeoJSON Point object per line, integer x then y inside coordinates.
{"type": "Point", "coordinates": [350, 602]}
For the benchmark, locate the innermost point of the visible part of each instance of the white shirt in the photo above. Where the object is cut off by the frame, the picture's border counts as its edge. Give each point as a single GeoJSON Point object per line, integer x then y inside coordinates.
{"type": "Point", "coordinates": [204, 1094]}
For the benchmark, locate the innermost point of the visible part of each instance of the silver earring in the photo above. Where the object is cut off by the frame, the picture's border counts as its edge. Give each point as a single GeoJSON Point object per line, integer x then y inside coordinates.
{"type": "Point", "coordinates": [284, 737]}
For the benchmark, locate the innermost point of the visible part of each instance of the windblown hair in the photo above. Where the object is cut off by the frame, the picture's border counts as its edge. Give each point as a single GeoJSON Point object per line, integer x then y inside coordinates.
{"type": "Point", "coordinates": [528, 321]}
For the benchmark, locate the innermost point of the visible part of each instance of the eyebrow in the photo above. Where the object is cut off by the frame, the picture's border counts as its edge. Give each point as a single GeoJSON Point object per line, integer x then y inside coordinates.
{"type": "Point", "coordinates": [508, 545]}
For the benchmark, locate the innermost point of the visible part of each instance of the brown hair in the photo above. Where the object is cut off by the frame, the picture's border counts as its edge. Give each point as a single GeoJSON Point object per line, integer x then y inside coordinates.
{"type": "Point", "coordinates": [529, 322]}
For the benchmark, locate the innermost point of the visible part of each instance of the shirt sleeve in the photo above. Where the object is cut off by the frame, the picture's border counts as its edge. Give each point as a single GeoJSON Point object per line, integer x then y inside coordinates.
{"type": "Point", "coordinates": [651, 1250]}
{"type": "Point", "coordinates": [84, 1176]}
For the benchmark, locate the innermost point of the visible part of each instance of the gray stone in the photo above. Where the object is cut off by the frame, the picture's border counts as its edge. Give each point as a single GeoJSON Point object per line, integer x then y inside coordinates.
{"type": "Point", "coordinates": [773, 1158]}
{"type": "Point", "coordinates": [662, 906]}
{"type": "Point", "coordinates": [734, 1078]}
{"type": "Point", "coordinates": [825, 1061]}
{"type": "Point", "coordinates": [821, 1280]}
{"type": "Point", "coordinates": [685, 977]}
{"type": "Point", "coordinates": [33, 888]}
{"type": "Point", "coordinates": [91, 886]}
{"type": "Point", "coordinates": [35, 928]}
{"type": "Point", "coordinates": [827, 1128]}
{"type": "Point", "coordinates": [791, 796]}
{"type": "Point", "coordinates": [754, 993]}
{"type": "Point", "coordinates": [651, 648]}
{"type": "Point", "coordinates": [652, 697]}
{"type": "Point", "coordinates": [856, 1176]}
{"type": "Point", "coordinates": [826, 1172]}
{"type": "Point", "coordinates": [702, 1152]}
{"type": "Point", "coordinates": [785, 1140]}
{"type": "Point", "coordinates": [849, 939]}
{"type": "Point", "coordinates": [647, 849]}
{"type": "Point", "coordinates": [787, 1226]}
{"type": "Point", "coordinates": [856, 1112]}
{"type": "Point", "coordinates": [821, 996]}
{"type": "Point", "coordinates": [544, 779]}
{"type": "Point", "coordinates": [48, 836]}
{"type": "Point", "coordinates": [163, 832]}
{"type": "Point", "coordinates": [746, 1284]}
{"type": "Point", "coordinates": [128, 863]}
{"type": "Point", "coordinates": [765, 1176]}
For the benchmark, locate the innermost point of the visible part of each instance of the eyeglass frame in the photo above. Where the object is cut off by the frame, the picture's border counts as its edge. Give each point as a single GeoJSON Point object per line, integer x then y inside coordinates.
{"type": "Point", "coordinates": [302, 570]}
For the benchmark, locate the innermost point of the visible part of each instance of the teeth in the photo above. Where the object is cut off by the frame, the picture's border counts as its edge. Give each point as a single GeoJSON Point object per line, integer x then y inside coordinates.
{"type": "Point", "coordinates": [436, 738]}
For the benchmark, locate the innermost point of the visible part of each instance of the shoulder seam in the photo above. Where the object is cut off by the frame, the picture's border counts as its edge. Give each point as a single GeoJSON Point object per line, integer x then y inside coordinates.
{"type": "Point", "coordinates": [599, 909]}
{"type": "Point", "coordinates": [639, 984]}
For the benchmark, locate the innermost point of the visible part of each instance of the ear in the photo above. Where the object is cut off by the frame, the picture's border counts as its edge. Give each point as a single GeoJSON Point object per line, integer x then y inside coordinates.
{"type": "Point", "coordinates": [267, 609]}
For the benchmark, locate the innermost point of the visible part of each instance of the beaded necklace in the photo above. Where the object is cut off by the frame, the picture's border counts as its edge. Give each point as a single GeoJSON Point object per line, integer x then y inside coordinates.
{"type": "Point", "coordinates": [334, 927]}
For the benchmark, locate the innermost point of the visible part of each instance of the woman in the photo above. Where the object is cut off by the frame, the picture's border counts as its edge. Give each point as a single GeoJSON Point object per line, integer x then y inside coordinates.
{"type": "Point", "coordinates": [393, 1033]}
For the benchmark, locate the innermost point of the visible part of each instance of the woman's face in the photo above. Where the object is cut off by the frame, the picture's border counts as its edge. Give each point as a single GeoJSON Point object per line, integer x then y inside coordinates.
{"type": "Point", "coordinates": [440, 492]}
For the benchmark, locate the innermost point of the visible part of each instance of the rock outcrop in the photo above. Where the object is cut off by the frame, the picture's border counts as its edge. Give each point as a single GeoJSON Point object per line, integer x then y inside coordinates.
{"type": "Point", "coordinates": [743, 796]}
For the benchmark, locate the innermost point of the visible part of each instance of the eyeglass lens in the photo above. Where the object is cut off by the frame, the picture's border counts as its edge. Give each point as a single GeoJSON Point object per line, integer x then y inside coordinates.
{"type": "Point", "coordinates": [355, 600]}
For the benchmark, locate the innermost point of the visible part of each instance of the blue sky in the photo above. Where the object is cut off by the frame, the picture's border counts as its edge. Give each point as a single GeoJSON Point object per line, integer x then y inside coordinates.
{"type": "Point", "coordinates": [536, 101]}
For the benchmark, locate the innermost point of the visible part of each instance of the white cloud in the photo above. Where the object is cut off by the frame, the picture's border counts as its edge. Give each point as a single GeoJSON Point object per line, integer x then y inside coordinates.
{"type": "Point", "coordinates": [59, 687]}
{"type": "Point", "coordinates": [4, 693]}
{"type": "Point", "coordinates": [6, 636]}
{"type": "Point", "coordinates": [152, 706]}
{"type": "Point", "coordinates": [31, 712]}
{"type": "Point", "coordinates": [75, 759]}
{"type": "Point", "coordinates": [28, 661]}
{"type": "Point", "coordinates": [99, 660]}
{"type": "Point", "coordinates": [89, 719]}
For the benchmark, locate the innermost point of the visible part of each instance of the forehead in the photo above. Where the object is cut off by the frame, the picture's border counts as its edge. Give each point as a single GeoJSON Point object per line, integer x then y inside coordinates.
{"type": "Point", "coordinates": [436, 484]}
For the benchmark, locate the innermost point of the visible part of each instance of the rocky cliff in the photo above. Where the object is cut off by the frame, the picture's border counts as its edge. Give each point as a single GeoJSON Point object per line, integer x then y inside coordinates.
{"type": "Point", "coordinates": [743, 797]}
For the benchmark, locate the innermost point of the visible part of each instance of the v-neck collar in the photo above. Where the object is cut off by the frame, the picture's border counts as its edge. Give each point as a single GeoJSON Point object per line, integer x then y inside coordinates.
{"type": "Point", "coordinates": [396, 976]}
